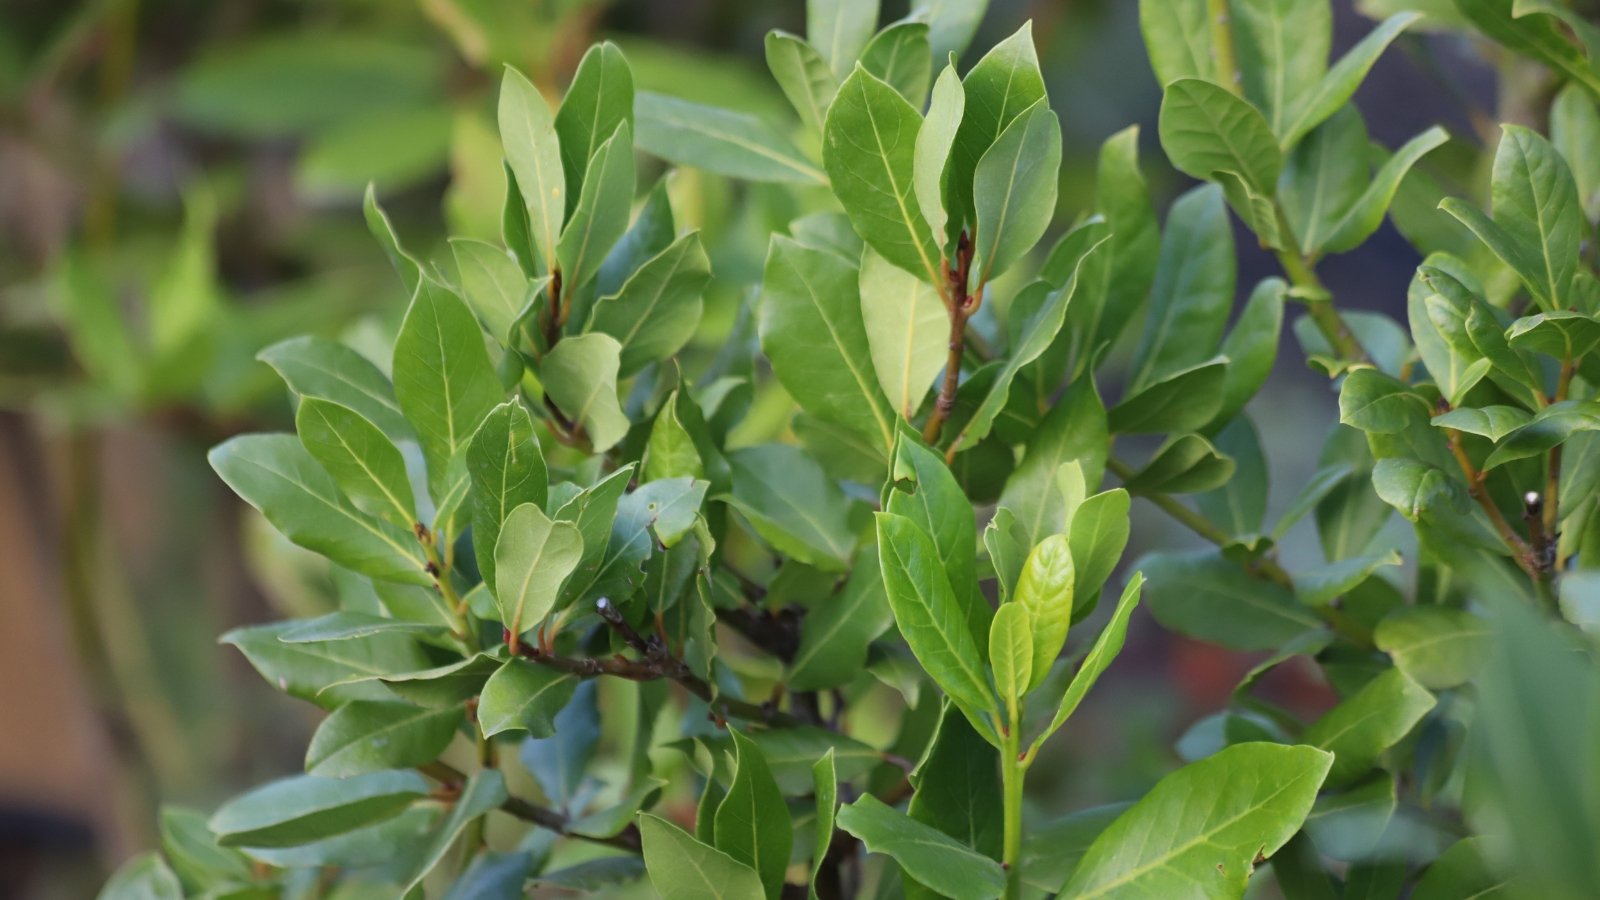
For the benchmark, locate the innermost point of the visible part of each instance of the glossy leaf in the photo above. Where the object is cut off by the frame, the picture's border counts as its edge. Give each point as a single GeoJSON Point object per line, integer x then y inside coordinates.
{"type": "Point", "coordinates": [1105, 650]}
{"type": "Point", "coordinates": [371, 736]}
{"type": "Point", "coordinates": [1014, 190]}
{"type": "Point", "coordinates": [752, 822]}
{"type": "Point", "coordinates": [682, 868]}
{"type": "Point", "coordinates": [803, 74]}
{"type": "Point", "coordinates": [901, 56]}
{"type": "Point", "coordinates": [1372, 720]}
{"type": "Point", "coordinates": [1206, 129]}
{"type": "Point", "coordinates": [935, 141]}
{"type": "Point", "coordinates": [525, 696]}
{"type": "Point", "coordinates": [791, 503]}
{"type": "Point", "coordinates": [1203, 595]}
{"type": "Point", "coordinates": [599, 99]}
{"type": "Point", "coordinates": [722, 141]}
{"type": "Point", "coordinates": [1193, 291]}
{"type": "Point", "coordinates": [317, 367]}
{"type": "Point", "coordinates": [307, 808]}
{"type": "Point", "coordinates": [362, 460]}
{"type": "Point", "coordinates": [507, 469]}
{"type": "Point", "coordinates": [657, 310]}
{"type": "Point", "coordinates": [600, 216]}
{"type": "Point", "coordinates": [999, 88]}
{"type": "Point", "coordinates": [445, 383]}
{"type": "Point", "coordinates": [532, 558]}
{"type": "Point", "coordinates": [534, 153]}
{"type": "Point", "coordinates": [1045, 591]}
{"type": "Point", "coordinates": [908, 332]}
{"type": "Point", "coordinates": [580, 377]}
{"type": "Point", "coordinates": [1011, 651]}
{"type": "Point", "coordinates": [1436, 646]}
{"type": "Point", "coordinates": [925, 853]}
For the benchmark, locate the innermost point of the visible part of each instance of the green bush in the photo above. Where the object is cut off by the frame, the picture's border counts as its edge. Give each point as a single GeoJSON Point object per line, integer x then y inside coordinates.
{"type": "Point", "coordinates": [575, 596]}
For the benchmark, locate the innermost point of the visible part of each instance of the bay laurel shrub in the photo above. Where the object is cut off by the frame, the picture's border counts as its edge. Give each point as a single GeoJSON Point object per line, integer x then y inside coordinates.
{"type": "Point", "coordinates": [588, 638]}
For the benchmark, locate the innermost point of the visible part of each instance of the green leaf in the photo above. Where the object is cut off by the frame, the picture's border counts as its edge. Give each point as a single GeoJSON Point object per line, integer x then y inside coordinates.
{"type": "Point", "coordinates": [1203, 595]}
{"type": "Point", "coordinates": [601, 215]}
{"type": "Point", "coordinates": [813, 331]}
{"type": "Point", "coordinates": [1186, 464]}
{"type": "Point", "coordinates": [1073, 431]}
{"type": "Point", "coordinates": [314, 671]}
{"type": "Point", "coordinates": [1358, 221]}
{"type": "Point", "coordinates": [580, 377]}
{"type": "Point", "coordinates": [1463, 870]}
{"type": "Point", "coordinates": [495, 876]}
{"type": "Point", "coordinates": [599, 100]}
{"type": "Point", "coordinates": [868, 148]}
{"type": "Point", "coordinates": [1575, 125]}
{"type": "Point", "coordinates": [1177, 39]}
{"type": "Point", "coordinates": [361, 459]}
{"type": "Point", "coordinates": [901, 56]}
{"type": "Point", "coordinates": [532, 558]}
{"type": "Point", "coordinates": [1371, 721]}
{"type": "Point", "coordinates": [792, 504]}
{"type": "Point", "coordinates": [957, 786]}
{"type": "Point", "coordinates": [923, 490]}
{"type": "Point", "coordinates": [1550, 427]}
{"type": "Point", "coordinates": [803, 74]}
{"type": "Point", "coordinates": [1492, 422]}
{"type": "Point", "coordinates": [405, 265]}
{"type": "Point", "coordinates": [485, 790]}
{"type": "Point", "coordinates": [825, 781]}
{"type": "Point", "coordinates": [658, 308]}
{"type": "Point", "coordinates": [1097, 537]}
{"type": "Point", "coordinates": [651, 233]}
{"type": "Point", "coordinates": [507, 469]}
{"type": "Point", "coordinates": [444, 381]}
{"type": "Point", "coordinates": [728, 143]}
{"type": "Point", "coordinates": [1000, 87]}
{"type": "Point", "coordinates": [682, 868]}
{"type": "Point", "coordinates": [1182, 401]}
{"type": "Point", "coordinates": [1414, 487]}
{"type": "Point", "coordinates": [1105, 649]}
{"type": "Point", "coordinates": [1282, 48]}
{"type": "Point", "coordinates": [308, 808]}
{"type": "Point", "coordinates": [1321, 586]}
{"type": "Point", "coordinates": [1339, 83]}
{"type": "Point", "coordinates": [908, 331]}
{"type": "Point", "coordinates": [1563, 334]}
{"type": "Point", "coordinates": [524, 696]}
{"type": "Point", "coordinates": [925, 853]}
{"type": "Point", "coordinates": [1251, 348]}
{"type": "Point", "coordinates": [533, 152]}
{"type": "Point", "coordinates": [1192, 294]}
{"type": "Point", "coordinates": [1011, 651]}
{"type": "Point", "coordinates": [275, 474]}
{"type": "Point", "coordinates": [935, 140]}
{"type": "Point", "coordinates": [194, 853]}
{"type": "Point", "coordinates": [317, 367]}
{"type": "Point", "coordinates": [928, 614]}
{"type": "Point", "coordinates": [1436, 646]}
{"type": "Point", "coordinates": [836, 630]}
{"type": "Point", "coordinates": [1014, 190]}
{"type": "Point", "coordinates": [1206, 129]}
{"type": "Point", "coordinates": [493, 284]}
{"type": "Point", "coordinates": [144, 877]}
{"type": "Point", "coordinates": [1045, 591]}
{"type": "Point", "coordinates": [752, 822]}
{"type": "Point", "coordinates": [840, 30]}
{"type": "Point", "coordinates": [1377, 403]}
{"type": "Point", "coordinates": [1200, 829]}
{"type": "Point", "coordinates": [370, 736]}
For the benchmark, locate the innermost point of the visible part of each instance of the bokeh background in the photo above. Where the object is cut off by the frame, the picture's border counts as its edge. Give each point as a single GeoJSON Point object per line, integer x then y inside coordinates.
{"type": "Point", "coordinates": [180, 185]}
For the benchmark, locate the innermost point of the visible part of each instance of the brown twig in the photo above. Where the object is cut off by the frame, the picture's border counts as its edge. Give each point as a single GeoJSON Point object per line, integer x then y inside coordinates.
{"type": "Point", "coordinates": [961, 306]}
{"type": "Point", "coordinates": [451, 777]}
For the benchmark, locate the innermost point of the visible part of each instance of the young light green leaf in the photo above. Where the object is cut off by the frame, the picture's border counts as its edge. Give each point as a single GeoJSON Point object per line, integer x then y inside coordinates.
{"type": "Point", "coordinates": [999, 88]}
{"type": "Point", "coordinates": [1205, 129]}
{"type": "Point", "coordinates": [657, 310]}
{"type": "Point", "coordinates": [931, 159]}
{"type": "Point", "coordinates": [840, 30]}
{"type": "Point", "coordinates": [752, 822]}
{"type": "Point", "coordinates": [804, 76]}
{"type": "Point", "coordinates": [1045, 591]}
{"type": "Point", "coordinates": [308, 808]}
{"type": "Point", "coordinates": [1097, 537]}
{"type": "Point", "coordinates": [532, 558]}
{"type": "Point", "coordinates": [928, 614]}
{"type": "Point", "coordinates": [671, 450]}
{"type": "Point", "coordinates": [524, 696]}
{"type": "Point", "coordinates": [1105, 649]}
{"type": "Point", "coordinates": [1011, 652]}
{"type": "Point", "coordinates": [599, 100]}
{"type": "Point", "coordinates": [580, 377]}
{"type": "Point", "coordinates": [813, 331]}
{"type": "Point", "coordinates": [1371, 721]}
{"type": "Point", "coordinates": [907, 331]}
{"type": "Point", "coordinates": [722, 141]}
{"type": "Point", "coordinates": [1014, 190]}
{"type": "Point", "coordinates": [601, 213]}
{"type": "Point", "coordinates": [444, 381]}
{"type": "Point", "coordinates": [275, 474]}
{"type": "Point", "coordinates": [371, 736]}
{"type": "Point", "coordinates": [317, 367]}
{"type": "Point", "coordinates": [682, 868]}
{"type": "Point", "coordinates": [925, 853]}
{"type": "Point", "coordinates": [533, 152]}
{"type": "Point", "coordinates": [869, 148]}
{"type": "Point", "coordinates": [1200, 829]}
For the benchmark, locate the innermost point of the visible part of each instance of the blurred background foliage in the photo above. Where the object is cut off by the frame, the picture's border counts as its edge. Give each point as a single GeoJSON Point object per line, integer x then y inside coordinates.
{"type": "Point", "coordinates": [180, 185]}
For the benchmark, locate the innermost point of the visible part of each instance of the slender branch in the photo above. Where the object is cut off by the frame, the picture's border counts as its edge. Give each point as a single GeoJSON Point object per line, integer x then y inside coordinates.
{"type": "Point", "coordinates": [961, 306]}
{"type": "Point", "coordinates": [627, 839]}
{"type": "Point", "coordinates": [1318, 300]}
{"type": "Point", "coordinates": [1220, 20]}
{"type": "Point", "coordinates": [1521, 551]}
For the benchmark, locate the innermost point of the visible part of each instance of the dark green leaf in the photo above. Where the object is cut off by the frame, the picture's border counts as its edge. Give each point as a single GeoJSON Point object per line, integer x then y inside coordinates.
{"type": "Point", "coordinates": [925, 853]}
{"type": "Point", "coordinates": [370, 736]}
{"type": "Point", "coordinates": [308, 808]}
